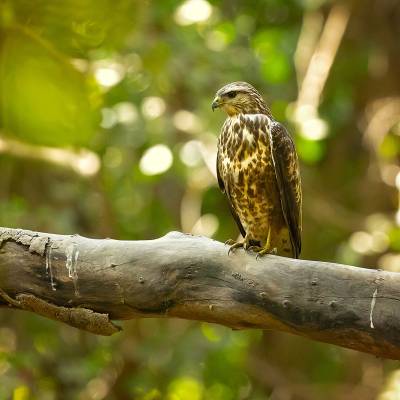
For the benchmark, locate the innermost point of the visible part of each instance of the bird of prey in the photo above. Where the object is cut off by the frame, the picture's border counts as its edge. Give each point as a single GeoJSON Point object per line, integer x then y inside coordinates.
{"type": "Point", "coordinates": [258, 170]}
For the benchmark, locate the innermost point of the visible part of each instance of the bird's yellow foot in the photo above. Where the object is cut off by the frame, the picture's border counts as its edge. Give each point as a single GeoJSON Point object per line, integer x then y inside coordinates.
{"type": "Point", "coordinates": [263, 251]}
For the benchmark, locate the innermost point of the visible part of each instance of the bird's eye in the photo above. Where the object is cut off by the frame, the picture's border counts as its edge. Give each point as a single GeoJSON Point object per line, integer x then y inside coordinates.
{"type": "Point", "coordinates": [231, 95]}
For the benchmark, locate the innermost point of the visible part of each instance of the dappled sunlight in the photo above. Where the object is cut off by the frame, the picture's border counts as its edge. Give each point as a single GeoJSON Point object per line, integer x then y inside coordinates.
{"type": "Point", "coordinates": [192, 11]}
{"type": "Point", "coordinates": [153, 107]}
{"type": "Point", "coordinates": [312, 79]}
{"type": "Point", "coordinates": [156, 160]}
{"type": "Point", "coordinates": [382, 115]}
{"type": "Point", "coordinates": [106, 130]}
{"type": "Point", "coordinates": [206, 225]}
{"type": "Point", "coordinates": [126, 113]}
{"type": "Point", "coordinates": [96, 389]}
{"type": "Point", "coordinates": [369, 243]}
{"type": "Point", "coordinates": [312, 127]}
{"type": "Point", "coordinates": [83, 162]}
{"type": "Point", "coordinates": [187, 121]}
{"type": "Point", "coordinates": [380, 135]}
{"type": "Point", "coordinates": [390, 262]}
{"type": "Point", "coordinates": [391, 390]}
{"type": "Point", "coordinates": [108, 73]}
{"type": "Point", "coordinates": [190, 153]}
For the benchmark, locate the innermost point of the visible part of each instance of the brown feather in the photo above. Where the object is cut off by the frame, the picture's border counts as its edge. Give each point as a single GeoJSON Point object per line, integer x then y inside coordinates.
{"type": "Point", "coordinates": [289, 182]}
{"type": "Point", "coordinates": [234, 215]}
{"type": "Point", "coordinates": [257, 169]}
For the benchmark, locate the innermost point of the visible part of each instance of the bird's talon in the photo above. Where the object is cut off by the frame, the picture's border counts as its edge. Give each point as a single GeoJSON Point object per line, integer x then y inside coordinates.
{"type": "Point", "coordinates": [230, 242]}
{"type": "Point", "coordinates": [235, 245]}
{"type": "Point", "coordinates": [263, 252]}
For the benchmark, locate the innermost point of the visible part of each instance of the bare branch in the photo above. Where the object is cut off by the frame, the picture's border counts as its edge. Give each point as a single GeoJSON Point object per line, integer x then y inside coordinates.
{"type": "Point", "coordinates": [85, 282]}
{"type": "Point", "coordinates": [83, 162]}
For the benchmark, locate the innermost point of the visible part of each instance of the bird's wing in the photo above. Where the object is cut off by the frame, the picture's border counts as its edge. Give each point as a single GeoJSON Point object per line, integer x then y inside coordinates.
{"type": "Point", "coordinates": [289, 182]}
{"type": "Point", "coordinates": [225, 190]}
{"type": "Point", "coordinates": [219, 177]}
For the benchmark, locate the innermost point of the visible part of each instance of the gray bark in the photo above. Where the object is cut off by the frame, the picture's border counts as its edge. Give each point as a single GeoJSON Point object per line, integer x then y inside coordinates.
{"type": "Point", "coordinates": [87, 283]}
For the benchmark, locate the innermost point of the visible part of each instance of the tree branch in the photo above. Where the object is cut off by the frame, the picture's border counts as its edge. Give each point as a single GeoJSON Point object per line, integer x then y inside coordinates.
{"type": "Point", "coordinates": [86, 282]}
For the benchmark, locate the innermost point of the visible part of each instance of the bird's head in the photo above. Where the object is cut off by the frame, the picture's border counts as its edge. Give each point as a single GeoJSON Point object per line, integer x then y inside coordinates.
{"type": "Point", "coordinates": [240, 98]}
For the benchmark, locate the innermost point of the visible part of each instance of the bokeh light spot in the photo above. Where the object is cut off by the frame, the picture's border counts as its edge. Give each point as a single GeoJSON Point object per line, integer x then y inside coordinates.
{"type": "Point", "coordinates": [190, 153]}
{"type": "Point", "coordinates": [87, 163]}
{"type": "Point", "coordinates": [156, 160]}
{"type": "Point", "coordinates": [361, 242]}
{"type": "Point", "coordinates": [186, 121]}
{"type": "Point", "coordinates": [126, 113]}
{"type": "Point", "coordinates": [192, 11]}
{"type": "Point", "coordinates": [390, 262]}
{"type": "Point", "coordinates": [206, 225]}
{"type": "Point", "coordinates": [108, 74]}
{"type": "Point", "coordinates": [221, 37]}
{"type": "Point", "coordinates": [97, 389]}
{"type": "Point", "coordinates": [153, 107]}
{"type": "Point", "coordinates": [380, 242]}
{"type": "Point", "coordinates": [314, 129]}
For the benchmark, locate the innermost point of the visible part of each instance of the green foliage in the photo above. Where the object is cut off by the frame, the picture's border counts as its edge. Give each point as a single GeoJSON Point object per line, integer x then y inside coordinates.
{"type": "Point", "coordinates": [40, 91]}
{"type": "Point", "coordinates": [132, 82]}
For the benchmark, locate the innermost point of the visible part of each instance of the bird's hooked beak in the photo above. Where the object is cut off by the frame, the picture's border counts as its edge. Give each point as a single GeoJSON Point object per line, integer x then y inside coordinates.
{"type": "Point", "coordinates": [216, 103]}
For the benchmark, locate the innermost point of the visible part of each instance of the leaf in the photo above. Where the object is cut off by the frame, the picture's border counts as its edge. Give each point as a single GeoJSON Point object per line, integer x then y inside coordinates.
{"type": "Point", "coordinates": [43, 99]}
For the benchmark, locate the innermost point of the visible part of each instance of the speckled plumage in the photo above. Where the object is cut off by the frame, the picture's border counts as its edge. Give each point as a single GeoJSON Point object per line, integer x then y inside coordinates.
{"type": "Point", "coordinates": [258, 170]}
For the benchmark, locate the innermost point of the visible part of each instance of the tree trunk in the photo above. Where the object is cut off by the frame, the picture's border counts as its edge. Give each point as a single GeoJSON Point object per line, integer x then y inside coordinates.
{"type": "Point", "coordinates": [87, 282]}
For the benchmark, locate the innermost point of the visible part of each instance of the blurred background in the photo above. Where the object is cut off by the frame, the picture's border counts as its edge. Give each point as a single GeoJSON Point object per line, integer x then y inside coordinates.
{"type": "Point", "coordinates": [106, 130]}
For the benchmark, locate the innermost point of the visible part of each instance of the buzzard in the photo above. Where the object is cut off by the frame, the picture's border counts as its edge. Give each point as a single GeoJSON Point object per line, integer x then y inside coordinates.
{"type": "Point", "coordinates": [258, 170]}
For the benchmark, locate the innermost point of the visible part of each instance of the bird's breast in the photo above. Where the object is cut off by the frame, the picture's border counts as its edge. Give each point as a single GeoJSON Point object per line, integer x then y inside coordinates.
{"type": "Point", "coordinates": [244, 148]}
{"type": "Point", "coordinates": [248, 172]}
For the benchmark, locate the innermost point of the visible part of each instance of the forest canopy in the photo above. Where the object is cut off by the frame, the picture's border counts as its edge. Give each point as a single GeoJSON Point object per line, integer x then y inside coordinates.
{"type": "Point", "coordinates": [106, 130]}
